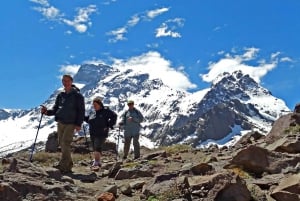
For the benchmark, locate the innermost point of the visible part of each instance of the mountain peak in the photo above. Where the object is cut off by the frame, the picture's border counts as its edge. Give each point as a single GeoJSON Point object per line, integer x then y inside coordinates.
{"type": "Point", "coordinates": [89, 73]}
{"type": "Point", "coordinates": [234, 76]}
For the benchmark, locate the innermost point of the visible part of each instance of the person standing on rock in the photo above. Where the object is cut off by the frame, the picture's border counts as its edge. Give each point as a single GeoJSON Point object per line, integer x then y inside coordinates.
{"type": "Point", "coordinates": [69, 110]}
{"type": "Point", "coordinates": [100, 121]}
{"type": "Point", "coordinates": [131, 120]}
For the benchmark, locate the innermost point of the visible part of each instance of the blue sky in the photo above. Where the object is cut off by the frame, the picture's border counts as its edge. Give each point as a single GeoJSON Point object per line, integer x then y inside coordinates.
{"type": "Point", "coordinates": [196, 40]}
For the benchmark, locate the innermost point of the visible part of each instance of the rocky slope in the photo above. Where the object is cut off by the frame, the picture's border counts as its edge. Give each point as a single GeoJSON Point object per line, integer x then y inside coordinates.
{"type": "Point", "coordinates": [256, 168]}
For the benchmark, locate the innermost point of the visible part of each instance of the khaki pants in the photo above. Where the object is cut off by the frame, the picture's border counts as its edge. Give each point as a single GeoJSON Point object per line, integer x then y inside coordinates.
{"type": "Point", "coordinates": [65, 138]}
{"type": "Point", "coordinates": [136, 145]}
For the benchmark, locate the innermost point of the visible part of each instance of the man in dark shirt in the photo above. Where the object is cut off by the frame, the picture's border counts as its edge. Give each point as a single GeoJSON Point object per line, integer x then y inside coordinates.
{"type": "Point", "coordinates": [69, 110]}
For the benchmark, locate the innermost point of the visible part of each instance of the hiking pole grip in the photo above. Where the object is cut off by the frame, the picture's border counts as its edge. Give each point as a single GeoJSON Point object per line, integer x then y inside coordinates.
{"type": "Point", "coordinates": [87, 142]}
{"type": "Point", "coordinates": [37, 132]}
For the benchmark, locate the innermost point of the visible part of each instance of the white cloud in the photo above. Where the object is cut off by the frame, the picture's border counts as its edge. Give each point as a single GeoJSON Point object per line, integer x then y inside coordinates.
{"type": "Point", "coordinates": [84, 14]}
{"type": "Point", "coordinates": [286, 59]}
{"type": "Point", "coordinates": [157, 67]}
{"type": "Point", "coordinates": [119, 33]}
{"type": "Point", "coordinates": [163, 31]}
{"type": "Point", "coordinates": [238, 62]}
{"type": "Point", "coordinates": [69, 69]}
{"type": "Point", "coordinates": [218, 28]}
{"type": "Point", "coordinates": [168, 28]}
{"type": "Point", "coordinates": [81, 28]}
{"type": "Point", "coordinates": [154, 13]}
{"type": "Point", "coordinates": [41, 2]}
{"type": "Point", "coordinates": [68, 32]}
{"type": "Point", "coordinates": [152, 45]}
{"type": "Point", "coordinates": [134, 20]}
{"type": "Point", "coordinates": [275, 55]}
{"type": "Point", "coordinates": [50, 13]}
{"type": "Point", "coordinates": [109, 2]}
{"type": "Point", "coordinates": [81, 21]}
{"type": "Point", "coordinates": [250, 53]}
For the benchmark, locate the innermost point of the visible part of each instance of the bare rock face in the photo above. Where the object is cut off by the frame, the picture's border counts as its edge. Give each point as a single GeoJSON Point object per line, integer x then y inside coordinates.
{"type": "Point", "coordinates": [253, 159]}
{"type": "Point", "coordinates": [284, 135]}
{"type": "Point", "coordinates": [9, 193]}
{"type": "Point", "coordinates": [288, 189]}
{"type": "Point", "coordinates": [278, 128]}
{"type": "Point", "coordinates": [258, 160]}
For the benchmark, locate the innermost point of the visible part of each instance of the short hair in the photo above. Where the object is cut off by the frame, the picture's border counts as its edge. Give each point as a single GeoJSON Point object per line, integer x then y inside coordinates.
{"type": "Point", "coordinates": [68, 76]}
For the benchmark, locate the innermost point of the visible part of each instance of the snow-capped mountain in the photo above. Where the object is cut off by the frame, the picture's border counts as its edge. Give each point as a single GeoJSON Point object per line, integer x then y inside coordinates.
{"type": "Point", "coordinates": [234, 103]}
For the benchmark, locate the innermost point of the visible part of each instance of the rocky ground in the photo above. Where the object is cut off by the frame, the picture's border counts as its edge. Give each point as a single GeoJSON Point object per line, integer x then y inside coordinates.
{"type": "Point", "coordinates": [257, 168]}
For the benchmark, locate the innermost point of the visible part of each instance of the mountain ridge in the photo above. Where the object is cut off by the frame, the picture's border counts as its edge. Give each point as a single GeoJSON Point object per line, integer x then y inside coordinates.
{"type": "Point", "coordinates": [171, 115]}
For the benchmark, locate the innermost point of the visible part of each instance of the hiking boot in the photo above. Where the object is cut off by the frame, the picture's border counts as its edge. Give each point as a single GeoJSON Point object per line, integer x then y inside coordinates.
{"type": "Point", "coordinates": [57, 166]}
{"type": "Point", "coordinates": [63, 171]}
{"type": "Point", "coordinates": [96, 163]}
{"type": "Point", "coordinates": [95, 168]}
{"type": "Point", "coordinates": [66, 171]}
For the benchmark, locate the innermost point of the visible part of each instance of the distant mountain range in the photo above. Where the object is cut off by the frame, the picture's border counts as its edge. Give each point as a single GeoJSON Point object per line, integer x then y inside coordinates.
{"type": "Point", "coordinates": [233, 104]}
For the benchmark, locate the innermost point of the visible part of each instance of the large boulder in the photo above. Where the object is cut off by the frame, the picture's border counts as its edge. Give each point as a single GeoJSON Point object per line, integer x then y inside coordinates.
{"type": "Point", "coordinates": [258, 160]}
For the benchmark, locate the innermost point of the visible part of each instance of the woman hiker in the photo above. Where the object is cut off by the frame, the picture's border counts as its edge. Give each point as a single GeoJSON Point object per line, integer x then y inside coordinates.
{"type": "Point", "coordinates": [100, 121]}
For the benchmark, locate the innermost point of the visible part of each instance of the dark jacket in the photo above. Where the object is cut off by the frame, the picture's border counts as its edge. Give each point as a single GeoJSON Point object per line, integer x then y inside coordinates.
{"type": "Point", "coordinates": [68, 108]}
{"type": "Point", "coordinates": [100, 121]}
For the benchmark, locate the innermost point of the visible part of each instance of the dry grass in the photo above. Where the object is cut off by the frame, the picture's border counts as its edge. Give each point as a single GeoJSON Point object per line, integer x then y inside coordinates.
{"type": "Point", "coordinates": [130, 164]}
{"type": "Point", "coordinates": [48, 159]}
{"type": "Point", "coordinates": [177, 148]}
{"type": "Point", "coordinates": [241, 173]}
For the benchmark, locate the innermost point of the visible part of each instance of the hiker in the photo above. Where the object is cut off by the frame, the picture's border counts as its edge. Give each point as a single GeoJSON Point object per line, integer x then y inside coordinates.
{"type": "Point", "coordinates": [100, 121]}
{"type": "Point", "coordinates": [69, 110]}
{"type": "Point", "coordinates": [131, 120]}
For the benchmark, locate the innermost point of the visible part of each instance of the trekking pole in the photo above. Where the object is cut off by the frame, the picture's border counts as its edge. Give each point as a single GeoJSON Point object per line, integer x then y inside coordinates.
{"type": "Point", "coordinates": [117, 146]}
{"type": "Point", "coordinates": [86, 142]}
{"type": "Point", "coordinates": [33, 146]}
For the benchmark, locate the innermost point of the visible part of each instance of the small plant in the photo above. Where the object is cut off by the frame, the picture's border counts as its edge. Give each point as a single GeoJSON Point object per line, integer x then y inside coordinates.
{"type": "Point", "coordinates": [241, 173]}
{"type": "Point", "coordinates": [152, 198]}
{"type": "Point", "coordinates": [130, 164]}
{"type": "Point", "coordinates": [177, 148]}
{"type": "Point", "coordinates": [171, 194]}
{"type": "Point", "coordinates": [292, 129]}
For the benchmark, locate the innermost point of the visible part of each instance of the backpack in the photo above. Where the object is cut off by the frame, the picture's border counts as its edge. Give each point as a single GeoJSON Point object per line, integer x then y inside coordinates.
{"type": "Point", "coordinates": [135, 110]}
{"type": "Point", "coordinates": [113, 119]}
{"type": "Point", "coordinates": [75, 87]}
